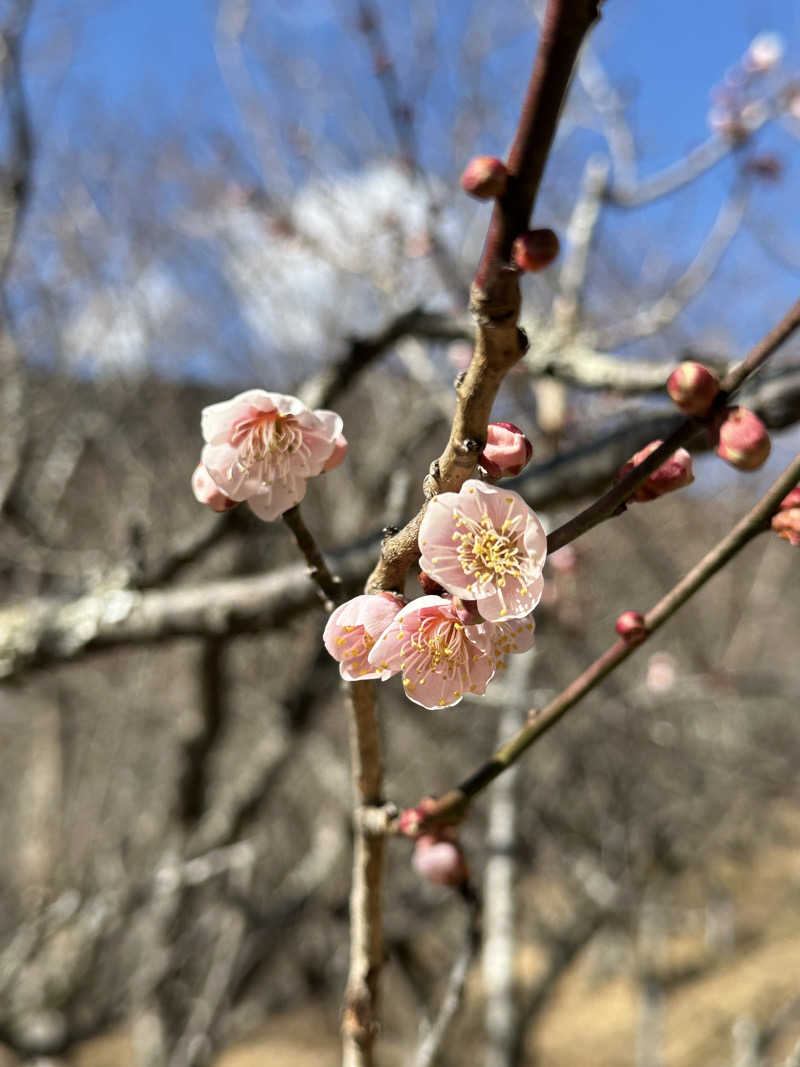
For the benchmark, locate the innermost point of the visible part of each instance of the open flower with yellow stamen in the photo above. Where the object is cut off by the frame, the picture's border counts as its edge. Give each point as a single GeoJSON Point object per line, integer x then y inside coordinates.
{"type": "Point", "coordinates": [440, 661]}
{"type": "Point", "coordinates": [353, 629]}
{"type": "Point", "coordinates": [485, 544]}
{"type": "Point", "coordinates": [261, 447]}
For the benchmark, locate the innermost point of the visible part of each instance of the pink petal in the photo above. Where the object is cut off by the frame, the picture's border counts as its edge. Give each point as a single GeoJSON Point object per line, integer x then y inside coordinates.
{"type": "Point", "coordinates": [277, 498]}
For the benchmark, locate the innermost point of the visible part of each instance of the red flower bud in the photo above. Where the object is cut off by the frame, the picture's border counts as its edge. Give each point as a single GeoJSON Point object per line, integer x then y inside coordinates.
{"type": "Point", "coordinates": [412, 820]}
{"type": "Point", "coordinates": [440, 861]}
{"type": "Point", "coordinates": [484, 178]}
{"type": "Point", "coordinates": [430, 587]}
{"type": "Point", "coordinates": [693, 387]}
{"type": "Point", "coordinates": [743, 440]}
{"type": "Point", "coordinates": [786, 524]}
{"type": "Point", "coordinates": [506, 452]}
{"type": "Point", "coordinates": [792, 500]}
{"type": "Point", "coordinates": [631, 627]}
{"type": "Point", "coordinates": [674, 473]}
{"type": "Point", "coordinates": [535, 249]}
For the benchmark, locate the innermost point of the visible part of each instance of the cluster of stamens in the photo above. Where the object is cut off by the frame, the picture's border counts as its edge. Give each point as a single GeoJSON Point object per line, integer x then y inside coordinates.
{"type": "Point", "coordinates": [488, 553]}
{"type": "Point", "coordinates": [438, 647]}
{"type": "Point", "coordinates": [267, 438]}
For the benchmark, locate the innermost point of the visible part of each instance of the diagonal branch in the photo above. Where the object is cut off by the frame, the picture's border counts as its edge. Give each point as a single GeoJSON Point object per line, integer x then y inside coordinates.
{"type": "Point", "coordinates": [453, 804]}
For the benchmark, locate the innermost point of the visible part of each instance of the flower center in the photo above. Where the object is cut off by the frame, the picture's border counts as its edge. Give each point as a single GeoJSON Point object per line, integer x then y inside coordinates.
{"type": "Point", "coordinates": [488, 553]}
{"type": "Point", "coordinates": [439, 641]}
{"type": "Point", "coordinates": [269, 439]}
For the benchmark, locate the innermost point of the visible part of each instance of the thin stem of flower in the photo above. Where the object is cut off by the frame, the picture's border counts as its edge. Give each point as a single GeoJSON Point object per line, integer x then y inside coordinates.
{"type": "Point", "coordinates": [454, 803]}
{"type": "Point", "coordinates": [610, 503]}
{"type": "Point", "coordinates": [329, 585]}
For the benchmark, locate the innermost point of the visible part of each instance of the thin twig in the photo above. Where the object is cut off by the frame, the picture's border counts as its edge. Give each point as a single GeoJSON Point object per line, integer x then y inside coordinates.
{"type": "Point", "coordinates": [610, 502]}
{"type": "Point", "coordinates": [435, 1033]}
{"type": "Point", "coordinates": [453, 804]}
{"type": "Point", "coordinates": [329, 584]}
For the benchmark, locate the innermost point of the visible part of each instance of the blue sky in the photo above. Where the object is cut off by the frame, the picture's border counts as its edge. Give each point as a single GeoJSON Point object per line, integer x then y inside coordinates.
{"type": "Point", "coordinates": [151, 65]}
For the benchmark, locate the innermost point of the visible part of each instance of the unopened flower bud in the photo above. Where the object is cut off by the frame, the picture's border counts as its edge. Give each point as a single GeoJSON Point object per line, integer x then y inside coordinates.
{"type": "Point", "coordinates": [207, 492]}
{"type": "Point", "coordinates": [692, 387]}
{"type": "Point", "coordinates": [439, 861]}
{"type": "Point", "coordinates": [743, 440]}
{"type": "Point", "coordinates": [339, 452]}
{"type": "Point", "coordinates": [484, 178]}
{"type": "Point", "coordinates": [786, 524]}
{"type": "Point", "coordinates": [412, 820]}
{"type": "Point", "coordinates": [506, 452]}
{"type": "Point", "coordinates": [674, 473]}
{"type": "Point", "coordinates": [430, 587]}
{"type": "Point", "coordinates": [631, 627]}
{"type": "Point", "coordinates": [535, 249]}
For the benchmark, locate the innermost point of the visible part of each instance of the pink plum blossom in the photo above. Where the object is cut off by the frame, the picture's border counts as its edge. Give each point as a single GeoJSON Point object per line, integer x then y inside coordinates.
{"type": "Point", "coordinates": [261, 447]}
{"type": "Point", "coordinates": [440, 661]}
{"type": "Point", "coordinates": [353, 629]}
{"type": "Point", "coordinates": [485, 544]}
{"type": "Point", "coordinates": [207, 492]}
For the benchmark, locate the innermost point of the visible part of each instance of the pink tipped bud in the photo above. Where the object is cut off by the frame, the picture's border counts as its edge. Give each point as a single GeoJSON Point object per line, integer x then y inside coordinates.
{"type": "Point", "coordinates": [535, 249]}
{"type": "Point", "coordinates": [674, 473]}
{"type": "Point", "coordinates": [412, 820]}
{"type": "Point", "coordinates": [430, 587]}
{"type": "Point", "coordinates": [792, 500]}
{"type": "Point", "coordinates": [786, 524]}
{"type": "Point", "coordinates": [506, 452]}
{"type": "Point", "coordinates": [484, 178]}
{"type": "Point", "coordinates": [743, 440]}
{"type": "Point", "coordinates": [207, 491]}
{"type": "Point", "coordinates": [337, 456]}
{"type": "Point", "coordinates": [693, 387]}
{"type": "Point", "coordinates": [440, 861]}
{"type": "Point", "coordinates": [631, 627]}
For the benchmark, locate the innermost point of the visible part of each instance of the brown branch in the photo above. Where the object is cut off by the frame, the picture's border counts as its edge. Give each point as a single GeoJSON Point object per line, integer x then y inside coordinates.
{"type": "Point", "coordinates": [495, 297]}
{"type": "Point", "coordinates": [564, 26]}
{"type": "Point", "coordinates": [610, 502]}
{"type": "Point", "coordinates": [360, 1016]}
{"type": "Point", "coordinates": [330, 586]}
{"type": "Point", "coordinates": [453, 804]}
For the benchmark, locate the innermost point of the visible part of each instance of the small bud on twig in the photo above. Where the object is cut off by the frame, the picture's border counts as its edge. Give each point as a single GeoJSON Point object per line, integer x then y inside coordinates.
{"type": "Point", "coordinates": [743, 440]}
{"type": "Point", "coordinates": [484, 178]}
{"type": "Point", "coordinates": [674, 473]}
{"type": "Point", "coordinates": [440, 861]}
{"type": "Point", "coordinates": [692, 387]}
{"type": "Point", "coordinates": [786, 521]}
{"type": "Point", "coordinates": [631, 627]}
{"type": "Point", "coordinates": [506, 452]}
{"type": "Point", "coordinates": [535, 250]}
